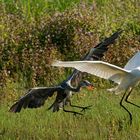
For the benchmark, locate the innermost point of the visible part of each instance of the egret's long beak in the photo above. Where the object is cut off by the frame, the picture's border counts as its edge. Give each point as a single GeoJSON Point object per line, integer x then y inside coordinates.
{"type": "Point", "coordinates": [90, 87]}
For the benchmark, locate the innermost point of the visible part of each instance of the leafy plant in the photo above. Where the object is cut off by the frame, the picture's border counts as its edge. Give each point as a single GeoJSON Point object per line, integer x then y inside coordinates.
{"type": "Point", "coordinates": [31, 36]}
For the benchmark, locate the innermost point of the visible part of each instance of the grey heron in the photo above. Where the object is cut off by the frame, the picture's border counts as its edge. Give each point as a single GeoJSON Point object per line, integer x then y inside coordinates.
{"type": "Point", "coordinates": [35, 97]}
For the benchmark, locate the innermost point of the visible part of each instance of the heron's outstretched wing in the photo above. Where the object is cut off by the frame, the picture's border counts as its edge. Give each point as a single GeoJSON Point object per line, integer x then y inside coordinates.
{"type": "Point", "coordinates": [34, 98]}
{"type": "Point", "coordinates": [97, 68]}
{"type": "Point", "coordinates": [96, 53]}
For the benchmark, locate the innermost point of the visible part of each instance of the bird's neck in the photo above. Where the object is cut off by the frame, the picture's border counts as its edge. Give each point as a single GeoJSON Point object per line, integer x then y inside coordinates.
{"type": "Point", "coordinates": [77, 89]}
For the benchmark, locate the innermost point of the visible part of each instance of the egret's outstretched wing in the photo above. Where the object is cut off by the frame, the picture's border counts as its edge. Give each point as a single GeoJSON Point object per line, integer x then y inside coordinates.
{"type": "Point", "coordinates": [97, 68]}
{"type": "Point", "coordinates": [95, 53]}
{"type": "Point", "coordinates": [134, 62]}
{"type": "Point", "coordinates": [34, 98]}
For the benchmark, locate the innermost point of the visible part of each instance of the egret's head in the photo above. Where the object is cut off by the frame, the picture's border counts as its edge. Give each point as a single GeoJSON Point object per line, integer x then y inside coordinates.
{"type": "Point", "coordinates": [87, 84]}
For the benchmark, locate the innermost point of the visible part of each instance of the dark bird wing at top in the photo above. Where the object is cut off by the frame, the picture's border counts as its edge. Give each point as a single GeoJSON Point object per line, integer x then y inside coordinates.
{"type": "Point", "coordinates": [95, 53]}
{"type": "Point", "coordinates": [34, 98]}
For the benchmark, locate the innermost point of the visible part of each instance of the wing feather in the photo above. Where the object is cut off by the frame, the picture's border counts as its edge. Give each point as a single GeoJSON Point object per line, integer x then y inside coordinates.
{"type": "Point", "coordinates": [34, 98]}
{"type": "Point", "coordinates": [95, 53]}
{"type": "Point", "coordinates": [134, 62]}
{"type": "Point", "coordinates": [97, 68]}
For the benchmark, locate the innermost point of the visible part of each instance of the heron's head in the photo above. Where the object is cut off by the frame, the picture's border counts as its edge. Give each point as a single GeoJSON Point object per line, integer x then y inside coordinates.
{"type": "Point", "coordinates": [87, 84]}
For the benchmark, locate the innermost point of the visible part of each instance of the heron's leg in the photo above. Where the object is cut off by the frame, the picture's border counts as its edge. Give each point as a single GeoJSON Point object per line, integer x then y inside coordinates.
{"type": "Point", "coordinates": [82, 107]}
{"type": "Point", "coordinates": [126, 99]}
{"type": "Point", "coordinates": [74, 112]}
{"type": "Point", "coordinates": [130, 115]}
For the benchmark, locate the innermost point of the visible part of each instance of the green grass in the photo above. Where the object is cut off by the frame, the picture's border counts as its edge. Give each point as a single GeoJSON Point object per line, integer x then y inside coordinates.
{"type": "Point", "coordinates": [35, 8]}
{"type": "Point", "coordinates": [106, 120]}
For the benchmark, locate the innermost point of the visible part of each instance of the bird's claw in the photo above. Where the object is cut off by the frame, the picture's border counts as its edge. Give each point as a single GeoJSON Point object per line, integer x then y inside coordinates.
{"type": "Point", "coordinates": [87, 107]}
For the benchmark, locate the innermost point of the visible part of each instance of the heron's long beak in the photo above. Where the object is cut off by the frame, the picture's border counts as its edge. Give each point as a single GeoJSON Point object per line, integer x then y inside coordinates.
{"type": "Point", "coordinates": [90, 87]}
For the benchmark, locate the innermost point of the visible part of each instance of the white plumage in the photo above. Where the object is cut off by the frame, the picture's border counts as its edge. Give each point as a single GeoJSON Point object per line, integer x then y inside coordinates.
{"type": "Point", "coordinates": [126, 77]}
{"type": "Point", "coordinates": [134, 62]}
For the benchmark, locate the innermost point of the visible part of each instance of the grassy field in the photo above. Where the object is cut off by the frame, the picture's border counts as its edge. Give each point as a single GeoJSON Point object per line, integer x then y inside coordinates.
{"type": "Point", "coordinates": [35, 32]}
{"type": "Point", "coordinates": [106, 120]}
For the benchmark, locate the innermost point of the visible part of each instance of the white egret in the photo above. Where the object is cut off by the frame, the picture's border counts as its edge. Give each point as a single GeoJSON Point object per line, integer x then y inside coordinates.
{"type": "Point", "coordinates": [126, 78]}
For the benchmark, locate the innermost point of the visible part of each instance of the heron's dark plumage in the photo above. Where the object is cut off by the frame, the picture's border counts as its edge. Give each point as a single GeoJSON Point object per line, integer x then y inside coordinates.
{"type": "Point", "coordinates": [36, 97]}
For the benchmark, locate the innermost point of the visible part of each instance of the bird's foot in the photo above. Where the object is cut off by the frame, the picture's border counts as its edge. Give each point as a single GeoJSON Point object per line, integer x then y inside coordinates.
{"type": "Point", "coordinates": [73, 112]}
{"type": "Point", "coordinates": [85, 108]}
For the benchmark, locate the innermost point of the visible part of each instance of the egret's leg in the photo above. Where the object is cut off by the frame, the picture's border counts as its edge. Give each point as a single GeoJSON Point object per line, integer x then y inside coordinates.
{"type": "Point", "coordinates": [82, 107]}
{"type": "Point", "coordinates": [126, 99]}
{"type": "Point", "coordinates": [130, 115]}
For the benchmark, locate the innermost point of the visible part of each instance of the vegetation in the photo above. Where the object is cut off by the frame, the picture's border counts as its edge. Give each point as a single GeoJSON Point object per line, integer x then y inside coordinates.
{"type": "Point", "coordinates": [106, 120]}
{"type": "Point", "coordinates": [33, 33]}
